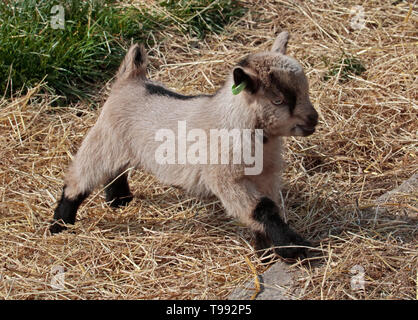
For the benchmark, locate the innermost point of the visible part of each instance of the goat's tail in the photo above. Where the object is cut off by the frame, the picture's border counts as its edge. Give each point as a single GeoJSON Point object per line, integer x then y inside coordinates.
{"type": "Point", "coordinates": [134, 64]}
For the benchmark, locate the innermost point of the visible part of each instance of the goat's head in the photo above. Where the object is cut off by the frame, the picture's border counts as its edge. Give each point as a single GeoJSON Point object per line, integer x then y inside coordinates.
{"type": "Point", "coordinates": [276, 86]}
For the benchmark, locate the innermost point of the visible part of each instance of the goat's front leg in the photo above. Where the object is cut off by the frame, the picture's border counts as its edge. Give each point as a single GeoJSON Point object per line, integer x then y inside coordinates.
{"type": "Point", "coordinates": [241, 200]}
{"type": "Point", "coordinates": [276, 231]}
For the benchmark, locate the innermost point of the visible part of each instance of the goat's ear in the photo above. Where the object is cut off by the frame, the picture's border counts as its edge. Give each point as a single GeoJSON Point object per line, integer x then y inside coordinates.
{"type": "Point", "coordinates": [242, 75]}
{"type": "Point", "coordinates": [280, 44]}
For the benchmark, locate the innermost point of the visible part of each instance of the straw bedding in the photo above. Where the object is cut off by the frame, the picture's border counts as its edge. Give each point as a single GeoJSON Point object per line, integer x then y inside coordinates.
{"type": "Point", "coordinates": [167, 245]}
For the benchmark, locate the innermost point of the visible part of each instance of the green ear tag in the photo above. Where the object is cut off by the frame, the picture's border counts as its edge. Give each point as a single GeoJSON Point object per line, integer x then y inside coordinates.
{"type": "Point", "coordinates": [237, 89]}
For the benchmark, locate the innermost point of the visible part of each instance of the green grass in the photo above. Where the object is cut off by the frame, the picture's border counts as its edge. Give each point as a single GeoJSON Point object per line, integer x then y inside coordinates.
{"type": "Point", "coordinates": [88, 49]}
{"type": "Point", "coordinates": [347, 65]}
{"type": "Point", "coordinates": [199, 17]}
{"type": "Point", "coordinates": [92, 44]}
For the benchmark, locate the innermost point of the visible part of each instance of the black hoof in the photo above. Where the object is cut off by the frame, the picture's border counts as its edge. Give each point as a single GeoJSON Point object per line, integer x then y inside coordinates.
{"type": "Point", "coordinates": [118, 193]}
{"type": "Point", "coordinates": [297, 247]}
{"type": "Point", "coordinates": [57, 227]}
{"type": "Point", "coordinates": [277, 233]}
{"type": "Point", "coordinates": [65, 212]}
{"type": "Point", "coordinates": [291, 253]}
{"type": "Point", "coordinates": [120, 202]}
{"type": "Point", "coordinates": [263, 248]}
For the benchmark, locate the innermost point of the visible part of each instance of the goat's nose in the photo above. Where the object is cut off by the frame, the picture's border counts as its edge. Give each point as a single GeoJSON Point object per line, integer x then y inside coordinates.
{"type": "Point", "coordinates": [313, 119]}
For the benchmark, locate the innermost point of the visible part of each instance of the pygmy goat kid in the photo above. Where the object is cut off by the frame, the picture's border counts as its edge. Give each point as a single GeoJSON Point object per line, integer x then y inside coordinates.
{"type": "Point", "coordinates": [270, 92]}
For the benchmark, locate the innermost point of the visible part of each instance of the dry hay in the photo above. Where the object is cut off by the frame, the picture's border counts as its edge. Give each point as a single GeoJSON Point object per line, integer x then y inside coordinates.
{"type": "Point", "coordinates": [166, 245]}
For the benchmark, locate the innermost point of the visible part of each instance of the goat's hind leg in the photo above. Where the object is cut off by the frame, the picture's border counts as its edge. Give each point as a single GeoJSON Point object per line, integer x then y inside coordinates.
{"type": "Point", "coordinates": [66, 211]}
{"type": "Point", "coordinates": [117, 191]}
{"type": "Point", "coordinates": [92, 165]}
{"type": "Point", "coordinates": [78, 189]}
{"type": "Point", "coordinates": [82, 177]}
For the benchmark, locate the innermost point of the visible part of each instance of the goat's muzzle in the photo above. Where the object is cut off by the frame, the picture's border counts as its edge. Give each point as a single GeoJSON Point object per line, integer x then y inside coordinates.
{"type": "Point", "coordinates": [310, 123]}
{"type": "Point", "coordinates": [306, 131]}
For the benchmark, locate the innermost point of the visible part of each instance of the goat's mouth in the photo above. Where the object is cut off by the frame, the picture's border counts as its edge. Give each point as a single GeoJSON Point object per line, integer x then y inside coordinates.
{"type": "Point", "coordinates": [305, 130]}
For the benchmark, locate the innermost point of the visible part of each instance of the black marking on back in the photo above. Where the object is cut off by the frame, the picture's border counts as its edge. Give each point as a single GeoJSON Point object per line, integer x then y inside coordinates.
{"type": "Point", "coordinates": [156, 89]}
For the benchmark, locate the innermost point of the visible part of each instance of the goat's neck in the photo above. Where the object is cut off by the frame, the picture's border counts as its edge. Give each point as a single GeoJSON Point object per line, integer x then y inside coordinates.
{"type": "Point", "coordinates": [234, 110]}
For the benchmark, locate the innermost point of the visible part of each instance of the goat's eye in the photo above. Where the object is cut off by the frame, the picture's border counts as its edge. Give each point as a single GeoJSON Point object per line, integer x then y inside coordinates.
{"type": "Point", "coordinates": [278, 101]}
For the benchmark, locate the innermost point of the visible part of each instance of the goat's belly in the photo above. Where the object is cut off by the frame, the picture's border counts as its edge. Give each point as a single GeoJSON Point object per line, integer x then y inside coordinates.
{"type": "Point", "coordinates": [187, 177]}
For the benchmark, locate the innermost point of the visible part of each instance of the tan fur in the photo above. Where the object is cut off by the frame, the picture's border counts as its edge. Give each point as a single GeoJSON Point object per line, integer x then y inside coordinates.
{"type": "Point", "coordinates": [124, 135]}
